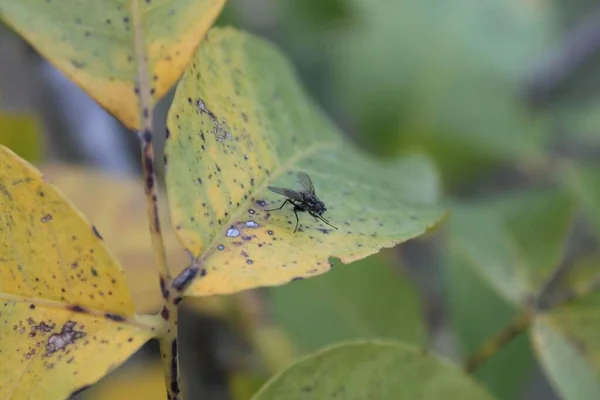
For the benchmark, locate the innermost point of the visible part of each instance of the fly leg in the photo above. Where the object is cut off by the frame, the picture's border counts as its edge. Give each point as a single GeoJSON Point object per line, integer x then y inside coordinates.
{"type": "Point", "coordinates": [296, 208]}
{"type": "Point", "coordinates": [284, 203]}
{"type": "Point", "coordinates": [319, 217]}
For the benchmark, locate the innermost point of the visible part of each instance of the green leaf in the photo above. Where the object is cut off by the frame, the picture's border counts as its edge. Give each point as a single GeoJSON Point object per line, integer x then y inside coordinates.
{"type": "Point", "coordinates": [584, 180]}
{"type": "Point", "coordinates": [455, 90]}
{"type": "Point", "coordinates": [568, 344]}
{"type": "Point", "coordinates": [514, 242]}
{"type": "Point", "coordinates": [118, 51]}
{"type": "Point", "coordinates": [364, 300]}
{"type": "Point", "coordinates": [240, 123]}
{"type": "Point", "coordinates": [371, 370]}
{"type": "Point", "coordinates": [476, 314]}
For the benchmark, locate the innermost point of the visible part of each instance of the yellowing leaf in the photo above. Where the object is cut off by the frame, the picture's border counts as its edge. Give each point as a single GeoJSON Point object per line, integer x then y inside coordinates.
{"type": "Point", "coordinates": [66, 315]}
{"type": "Point", "coordinates": [116, 205]}
{"type": "Point", "coordinates": [239, 123]}
{"type": "Point", "coordinates": [104, 45]}
{"type": "Point", "coordinates": [136, 382]}
{"type": "Point", "coordinates": [20, 132]}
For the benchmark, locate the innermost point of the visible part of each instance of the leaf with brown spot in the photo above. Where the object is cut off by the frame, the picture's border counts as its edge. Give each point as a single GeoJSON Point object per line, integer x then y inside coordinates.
{"type": "Point", "coordinates": [121, 219]}
{"type": "Point", "coordinates": [55, 278]}
{"type": "Point", "coordinates": [104, 45]}
{"type": "Point", "coordinates": [240, 123]}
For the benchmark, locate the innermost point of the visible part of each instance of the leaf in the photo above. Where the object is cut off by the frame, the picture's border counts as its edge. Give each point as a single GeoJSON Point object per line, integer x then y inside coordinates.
{"type": "Point", "coordinates": [66, 315]}
{"type": "Point", "coordinates": [145, 381]}
{"type": "Point", "coordinates": [568, 344]}
{"type": "Point", "coordinates": [514, 242]}
{"type": "Point", "coordinates": [364, 300]}
{"type": "Point", "coordinates": [121, 217]}
{"type": "Point", "coordinates": [103, 46]}
{"type": "Point", "coordinates": [584, 182]}
{"type": "Point", "coordinates": [371, 370]}
{"type": "Point", "coordinates": [20, 132]}
{"type": "Point", "coordinates": [455, 90]}
{"type": "Point", "coordinates": [468, 299]}
{"type": "Point", "coordinates": [234, 130]}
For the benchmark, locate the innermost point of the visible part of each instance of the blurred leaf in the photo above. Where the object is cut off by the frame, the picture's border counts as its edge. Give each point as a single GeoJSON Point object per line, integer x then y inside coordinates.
{"type": "Point", "coordinates": [244, 385]}
{"type": "Point", "coordinates": [579, 277]}
{"type": "Point", "coordinates": [371, 370]}
{"type": "Point", "coordinates": [235, 130]}
{"type": "Point", "coordinates": [448, 78]}
{"type": "Point", "coordinates": [66, 316]}
{"type": "Point", "coordinates": [121, 217]}
{"type": "Point", "coordinates": [20, 132]}
{"type": "Point", "coordinates": [584, 180]}
{"type": "Point", "coordinates": [100, 45]}
{"type": "Point", "coordinates": [143, 381]}
{"type": "Point", "coordinates": [567, 341]}
{"type": "Point", "coordinates": [515, 242]}
{"type": "Point", "coordinates": [477, 313]}
{"type": "Point", "coordinates": [364, 300]}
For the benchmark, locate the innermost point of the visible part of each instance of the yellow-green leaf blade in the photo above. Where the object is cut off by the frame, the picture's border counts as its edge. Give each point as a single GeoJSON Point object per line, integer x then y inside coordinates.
{"type": "Point", "coordinates": [568, 344]}
{"type": "Point", "coordinates": [371, 370]}
{"type": "Point", "coordinates": [50, 353]}
{"type": "Point", "coordinates": [122, 219]}
{"type": "Point", "coordinates": [94, 43]}
{"type": "Point", "coordinates": [240, 123]}
{"type": "Point", "coordinates": [64, 302]}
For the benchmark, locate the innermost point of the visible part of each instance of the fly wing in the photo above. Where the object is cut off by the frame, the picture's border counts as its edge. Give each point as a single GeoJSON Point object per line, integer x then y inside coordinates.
{"type": "Point", "coordinates": [306, 182]}
{"type": "Point", "coordinates": [289, 193]}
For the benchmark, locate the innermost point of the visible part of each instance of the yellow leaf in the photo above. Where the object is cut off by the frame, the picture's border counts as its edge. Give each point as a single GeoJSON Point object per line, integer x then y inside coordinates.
{"type": "Point", "coordinates": [20, 132]}
{"type": "Point", "coordinates": [135, 382]}
{"type": "Point", "coordinates": [239, 123]}
{"type": "Point", "coordinates": [104, 45]}
{"type": "Point", "coordinates": [121, 217]}
{"type": "Point", "coordinates": [66, 315]}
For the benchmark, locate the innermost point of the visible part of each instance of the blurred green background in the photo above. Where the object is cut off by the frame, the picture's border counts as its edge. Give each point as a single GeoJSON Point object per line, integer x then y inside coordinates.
{"type": "Point", "coordinates": [504, 96]}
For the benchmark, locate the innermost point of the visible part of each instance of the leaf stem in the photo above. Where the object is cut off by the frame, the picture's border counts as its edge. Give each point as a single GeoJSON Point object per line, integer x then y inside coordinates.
{"type": "Point", "coordinates": [168, 341]}
{"type": "Point", "coordinates": [495, 343]}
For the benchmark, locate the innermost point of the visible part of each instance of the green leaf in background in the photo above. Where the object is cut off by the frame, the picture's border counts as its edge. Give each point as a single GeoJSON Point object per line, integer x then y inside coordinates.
{"type": "Point", "coordinates": [239, 123]}
{"type": "Point", "coordinates": [364, 300]}
{"type": "Point", "coordinates": [567, 341]}
{"type": "Point", "coordinates": [515, 242]}
{"type": "Point", "coordinates": [20, 132]}
{"type": "Point", "coordinates": [584, 180]}
{"type": "Point", "coordinates": [476, 314]}
{"type": "Point", "coordinates": [372, 370]}
{"type": "Point", "coordinates": [448, 78]}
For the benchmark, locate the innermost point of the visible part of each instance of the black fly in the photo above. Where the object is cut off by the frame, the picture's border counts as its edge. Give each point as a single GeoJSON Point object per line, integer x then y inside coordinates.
{"type": "Point", "coordinates": [304, 200]}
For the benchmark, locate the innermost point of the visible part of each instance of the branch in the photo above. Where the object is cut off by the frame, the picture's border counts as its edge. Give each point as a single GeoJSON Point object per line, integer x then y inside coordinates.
{"type": "Point", "coordinates": [168, 342]}
{"type": "Point", "coordinates": [491, 347]}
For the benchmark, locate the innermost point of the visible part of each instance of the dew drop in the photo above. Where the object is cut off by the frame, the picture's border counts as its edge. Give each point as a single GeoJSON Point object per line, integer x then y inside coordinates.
{"type": "Point", "coordinates": [232, 232]}
{"type": "Point", "coordinates": [252, 224]}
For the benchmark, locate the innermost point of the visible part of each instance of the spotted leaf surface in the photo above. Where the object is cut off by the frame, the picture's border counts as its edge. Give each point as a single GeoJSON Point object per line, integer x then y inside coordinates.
{"type": "Point", "coordinates": [371, 370]}
{"type": "Point", "coordinates": [107, 46]}
{"type": "Point", "coordinates": [66, 315]}
{"type": "Point", "coordinates": [121, 217]}
{"type": "Point", "coordinates": [240, 123]}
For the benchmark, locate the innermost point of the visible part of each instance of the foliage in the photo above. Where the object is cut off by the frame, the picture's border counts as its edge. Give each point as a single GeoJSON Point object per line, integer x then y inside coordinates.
{"type": "Point", "coordinates": [519, 257]}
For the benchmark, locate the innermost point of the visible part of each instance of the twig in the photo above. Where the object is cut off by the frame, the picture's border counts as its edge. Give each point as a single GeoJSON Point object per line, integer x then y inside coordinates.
{"type": "Point", "coordinates": [168, 342]}
{"type": "Point", "coordinates": [489, 348]}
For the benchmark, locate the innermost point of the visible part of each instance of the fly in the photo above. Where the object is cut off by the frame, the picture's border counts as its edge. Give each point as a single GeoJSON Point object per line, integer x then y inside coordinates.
{"type": "Point", "coordinates": [304, 200]}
